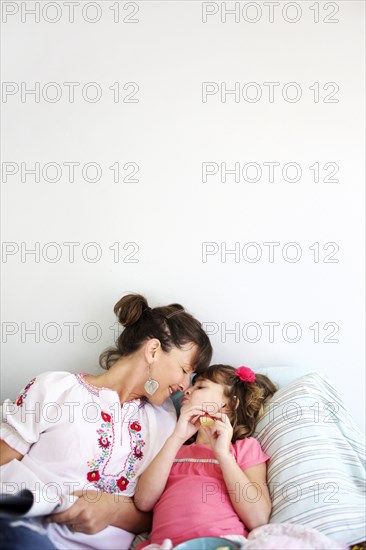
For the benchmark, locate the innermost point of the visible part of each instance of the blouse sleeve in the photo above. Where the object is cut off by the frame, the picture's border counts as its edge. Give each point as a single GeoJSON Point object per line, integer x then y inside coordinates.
{"type": "Point", "coordinates": [33, 411]}
{"type": "Point", "coordinates": [248, 453]}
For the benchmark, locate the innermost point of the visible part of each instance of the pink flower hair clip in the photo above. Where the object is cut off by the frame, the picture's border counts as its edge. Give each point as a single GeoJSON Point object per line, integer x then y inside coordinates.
{"type": "Point", "coordinates": [245, 374]}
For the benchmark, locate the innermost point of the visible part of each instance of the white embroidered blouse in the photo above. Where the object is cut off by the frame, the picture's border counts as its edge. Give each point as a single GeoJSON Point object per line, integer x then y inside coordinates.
{"type": "Point", "coordinates": [76, 436]}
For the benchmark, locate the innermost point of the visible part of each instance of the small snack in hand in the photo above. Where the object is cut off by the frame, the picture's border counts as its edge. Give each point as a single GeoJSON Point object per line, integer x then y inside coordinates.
{"type": "Point", "coordinates": [206, 420]}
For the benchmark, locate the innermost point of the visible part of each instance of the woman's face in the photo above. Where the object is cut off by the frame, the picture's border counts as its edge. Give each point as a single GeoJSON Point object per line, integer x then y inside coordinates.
{"type": "Point", "coordinates": [208, 395]}
{"type": "Point", "coordinates": [172, 371]}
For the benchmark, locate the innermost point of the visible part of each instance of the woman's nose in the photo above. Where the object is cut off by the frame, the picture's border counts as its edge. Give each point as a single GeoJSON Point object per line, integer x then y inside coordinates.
{"type": "Point", "coordinates": [184, 385]}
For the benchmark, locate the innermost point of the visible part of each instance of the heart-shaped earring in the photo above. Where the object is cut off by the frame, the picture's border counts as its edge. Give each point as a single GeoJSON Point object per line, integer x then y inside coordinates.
{"type": "Point", "coordinates": [151, 385]}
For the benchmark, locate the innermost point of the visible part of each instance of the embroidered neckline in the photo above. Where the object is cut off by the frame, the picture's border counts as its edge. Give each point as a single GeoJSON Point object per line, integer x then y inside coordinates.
{"type": "Point", "coordinates": [106, 438]}
{"type": "Point", "coordinates": [80, 377]}
{"type": "Point", "coordinates": [91, 388]}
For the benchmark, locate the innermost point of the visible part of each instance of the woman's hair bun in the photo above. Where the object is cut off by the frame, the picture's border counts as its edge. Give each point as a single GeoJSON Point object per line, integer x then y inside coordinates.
{"type": "Point", "coordinates": [130, 308]}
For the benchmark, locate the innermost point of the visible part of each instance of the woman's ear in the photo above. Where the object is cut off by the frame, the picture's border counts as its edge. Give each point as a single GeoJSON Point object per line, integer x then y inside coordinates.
{"type": "Point", "coordinates": [236, 401]}
{"type": "Point", "coordinates": [151, 348]}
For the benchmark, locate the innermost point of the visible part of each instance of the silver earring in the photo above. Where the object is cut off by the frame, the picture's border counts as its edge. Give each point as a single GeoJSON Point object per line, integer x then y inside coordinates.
{"type": "Point", "coordinates": [151, 385]}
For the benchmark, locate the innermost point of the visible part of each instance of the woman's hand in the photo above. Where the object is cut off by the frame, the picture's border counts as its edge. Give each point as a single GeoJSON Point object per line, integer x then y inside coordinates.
{"type": "Point", "coordinates": [220, 435]}
{"type": "Point", "coordinates": [7, 453]}
{"type": "Point", "coordinates": [188, 422]}
{"type": "Point", "coordinates": [90, 513]}
{"type": "Point", "coordinates": [94, 511]}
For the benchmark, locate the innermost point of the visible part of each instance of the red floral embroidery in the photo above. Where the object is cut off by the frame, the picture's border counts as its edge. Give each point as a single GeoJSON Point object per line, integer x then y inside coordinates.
{"type": "Point", "coordinates": [106, 417]}
{"type": "Point", "coordinates": [122, 483]}
{"type": "Point", "coordinates": [93, 476]}
{"type": "Point", "coordinates": [135, 426]}
{"type": "Point", "coordinates": [106, 439]}
{"type": "Point", "coordinates": [23, 395]}
{"type": "Point", "coordinates": [137, 452]}
{"type": "Point", "coordinates": [103, 442]}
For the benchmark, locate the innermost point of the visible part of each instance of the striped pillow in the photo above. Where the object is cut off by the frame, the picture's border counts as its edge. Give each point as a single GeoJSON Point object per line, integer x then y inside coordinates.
{"type": "Point", "coordinates": [316, 474]}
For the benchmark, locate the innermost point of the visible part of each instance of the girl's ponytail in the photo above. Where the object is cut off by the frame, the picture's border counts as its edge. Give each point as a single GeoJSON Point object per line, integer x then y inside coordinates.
{"type": "Point", "coordinates": [252, 399]}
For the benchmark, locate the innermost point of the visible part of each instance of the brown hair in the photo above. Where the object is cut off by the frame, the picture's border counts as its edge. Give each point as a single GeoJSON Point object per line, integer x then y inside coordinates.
{"type": "Point", "coordinates": [171, 325]}
{"type": "Point", "coordinates": [251, 397]}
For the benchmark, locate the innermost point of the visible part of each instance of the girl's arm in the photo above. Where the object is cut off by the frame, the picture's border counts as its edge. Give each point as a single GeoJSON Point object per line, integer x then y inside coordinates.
{"type": "Point", "coordinates": [247, 489]}
{"type": "Point", "coordinates": [151, 483]}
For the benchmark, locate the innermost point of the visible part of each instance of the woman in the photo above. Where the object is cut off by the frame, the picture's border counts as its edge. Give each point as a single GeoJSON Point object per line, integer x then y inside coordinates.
{"type": "Point", "coordinates": [78, 434]}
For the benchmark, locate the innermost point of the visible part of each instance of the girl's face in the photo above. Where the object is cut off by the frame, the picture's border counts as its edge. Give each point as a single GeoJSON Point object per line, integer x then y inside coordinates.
{"type": "Point", "coordinates": [208, 395]}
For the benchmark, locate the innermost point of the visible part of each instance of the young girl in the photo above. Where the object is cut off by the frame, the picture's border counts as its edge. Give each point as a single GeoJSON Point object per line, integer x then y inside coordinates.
{"type": "Point", "coordinates": [215, 484]}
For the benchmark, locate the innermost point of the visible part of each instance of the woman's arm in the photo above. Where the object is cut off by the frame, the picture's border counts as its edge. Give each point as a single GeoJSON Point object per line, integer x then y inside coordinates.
{"type": "Point", "coordinates": [7, 453]}
{"type": "Point", "coordinates": [94, 511]}
{"type": "Point", "coordinates": [151, 483]}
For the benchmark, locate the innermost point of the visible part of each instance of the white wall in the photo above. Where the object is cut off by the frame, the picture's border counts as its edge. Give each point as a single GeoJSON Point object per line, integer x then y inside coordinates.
{"type": "Point", "coordinates": [169, 132]}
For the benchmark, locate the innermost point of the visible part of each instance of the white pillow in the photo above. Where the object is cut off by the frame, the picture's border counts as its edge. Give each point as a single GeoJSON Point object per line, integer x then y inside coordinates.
{"type": "Point", "coordinates": [282, 375]}
{"type": "Point", "coordinates": [316, 473]}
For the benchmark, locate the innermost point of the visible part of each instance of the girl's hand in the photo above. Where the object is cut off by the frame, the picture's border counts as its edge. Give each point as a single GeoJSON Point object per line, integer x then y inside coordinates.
{"type": "Point", "coordinates": [220, 435]}
{"type": "Point", "coordinates": [188, 422]}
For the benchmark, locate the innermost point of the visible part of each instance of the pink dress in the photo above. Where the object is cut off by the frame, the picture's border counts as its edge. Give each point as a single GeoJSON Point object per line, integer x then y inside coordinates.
{"type": "Point", "coordinates": [195, 501]}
